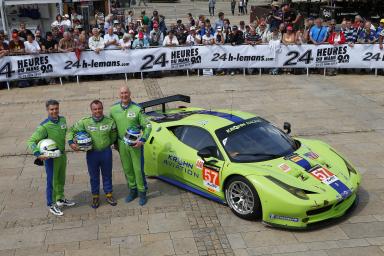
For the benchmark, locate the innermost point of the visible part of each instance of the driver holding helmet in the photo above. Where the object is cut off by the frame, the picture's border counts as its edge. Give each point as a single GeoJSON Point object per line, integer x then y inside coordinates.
{"type": "Point", "coordinates": [133, 129]}
{"type": "Point", "coordinates": [47, 143]}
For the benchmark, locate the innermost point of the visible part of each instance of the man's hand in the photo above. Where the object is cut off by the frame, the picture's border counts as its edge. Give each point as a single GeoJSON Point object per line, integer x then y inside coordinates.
{"type": "Point", "coordinates": [74, 146]}
{"type": "Point", "coordinates": [138, 144]}
{"type": "Point", "coordinates": [42, 157]}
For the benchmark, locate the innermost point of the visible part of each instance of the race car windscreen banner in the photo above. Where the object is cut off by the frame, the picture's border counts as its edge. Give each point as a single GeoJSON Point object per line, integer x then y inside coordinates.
{"type": "Point", "coordinates": [190, 57]}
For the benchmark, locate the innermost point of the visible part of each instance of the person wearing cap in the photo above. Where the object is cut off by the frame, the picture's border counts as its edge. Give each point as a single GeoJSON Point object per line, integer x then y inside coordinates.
{"type": "Point", "coordinates": [96, 42]}
{"type": "Point", "coordinates": [380, 28]}
{"type": "Point", "coordinates": [16, 46]}
{"type": "Point", "coordinates": [289, 37]}
{"type": "Point", "coordinates": [193, 38]}
{"type": "Point", "coordinates": [140, 41]}
{"type": "Point", "coordinates": [219, 36]}
{"type": "Point", "coordinates": [156, 37]}
{"type": "Point", "coordinates": [318, 33]}
{"type": "Point", "coordinates": [236, 37]}
{"type": "Point", "coordinates": [66, 22]}
{"type": "Point", "coordinates": [111, 40]}
{"type": "Point", "coordinates": [170, 40]}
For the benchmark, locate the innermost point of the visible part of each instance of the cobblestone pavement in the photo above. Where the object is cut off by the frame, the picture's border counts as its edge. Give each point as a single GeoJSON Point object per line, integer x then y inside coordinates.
{"type": "Point", "coordinates": [345, 111]}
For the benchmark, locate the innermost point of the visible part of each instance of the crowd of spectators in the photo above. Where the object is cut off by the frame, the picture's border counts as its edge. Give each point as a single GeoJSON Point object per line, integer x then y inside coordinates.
{"type": "Point", "coordinates": [283, 25]}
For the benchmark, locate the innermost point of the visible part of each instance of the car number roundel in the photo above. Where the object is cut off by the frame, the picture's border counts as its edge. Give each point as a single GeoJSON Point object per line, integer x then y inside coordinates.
{"type": "Point", "coordinates": [211, 179]}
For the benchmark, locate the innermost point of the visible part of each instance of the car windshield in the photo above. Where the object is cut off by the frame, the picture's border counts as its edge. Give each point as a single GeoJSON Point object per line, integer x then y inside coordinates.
{"type": "Point", "coordinates": [255, 140]}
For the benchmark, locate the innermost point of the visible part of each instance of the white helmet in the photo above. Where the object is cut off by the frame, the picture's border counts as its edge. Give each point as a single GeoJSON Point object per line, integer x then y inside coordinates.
{"type": "Point", "coordinates": [84, 141]}
{"type": "Point", "coordinates": [131, 137]}
{"type": "Point", "coordinates": [49, 148]}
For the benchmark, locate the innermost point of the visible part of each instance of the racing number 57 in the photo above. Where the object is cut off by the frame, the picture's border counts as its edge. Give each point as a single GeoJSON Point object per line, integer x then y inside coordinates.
{"type": "Point", "coordinates": [211, 176]}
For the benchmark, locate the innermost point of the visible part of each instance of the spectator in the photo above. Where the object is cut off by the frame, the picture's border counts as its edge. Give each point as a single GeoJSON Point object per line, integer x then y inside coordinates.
{"type": "Point", "coordinates": [381, 39]}
{"type": "Point", "coordinates": [145, 18]}
{"type": "Point", "coordinates": [350, 34]}
{"type": "Point", "coordinates": [289, 37]}
{"type": "Point", "coordinates": [125, 43]}
{"type": "Point", "coordinates": [191, 20]}
{"type": "Point", "coordinates": [193, 38]}
{"type": "Point", "coordinates": [253, 38]}
{"type": "Point", "coordinates": [4, 35]}
{"type": "Point", "coordinates": [111, 40]}
{"type": "Point", "coordinates": [274, 35]}
{"type": "Point", "coordinates": [343, 25]}
{"type": "Point", "coordinates": [66, 44]}
{"type": "Point", "coordinates": [275, 17]}
{"type": "Point", "coordinates": [140, 42]}
{"type": "Point", "coordinates": [219, 22]}
{"type": "Point", "coordinates": [205, 28]}
{"type": "Point", "coordinates": [170, 40]}
{"type": "Point", "coordinates": [58, 23]}
{"type": "Point", "coordinates": [4, 49]}
{"type": "Point", "coordinates": [208, 39]}
{"type": "Point", "coordinates": [99, 17]}
{"type": "Point", "coordinates": [23, 32]}
{"type": "Point", "coordinates": [236, 36]}
{"type": "Point", "coordinates": [318, 33]}
{"type": "Point", "coordinates": [50, 44]}
{"type": "Point", "coordinates": [337, 37]}
{"type": "Point", "coordinates": [219, 36]}
{"type": "Point", "coordinates": [227, 24]}
{"type": "Point", "coordinates": [367, 35]}
{"type": "Point", "coordinates": [31, 46]}
{"type": "Point", "coordinates": [16, 46]}
{"type": "Point", "coordinates": [56, 34]}
{"type": "Point", "coordinates": [242, 26]}
{"type": "Point", "coordinates": [66, 22]}
{"type": "Point", "coordinates": [308, 24]}
{"type": "Point", "coordinates": [156, 37]}
{"type": "Point", "coordinates": [291, 16]}
{"type": "Point", "coordinates": [160, 20]}
{"type": "Point", "coordinates": [379, 28]}
{"type": "Point", "coordinates": [274, 41]}
{"type": "Point", "coordinates": [76, 34]}
{"type": "Point", "coordinates": [262, 31]}
{"type": "Point", "coordinates": [82, 43]}
{"type": "Point", "coordinates": [201, 21]}
{"type": "Point", "coordinates": [108, 23]}
{"type": "Point", "coordinates": [181, 32]}
{"type": "Point", "coordinates": [76, 18]}
{"type": "Point", "coordinates": [96, 42]}
{"type": "Point", "coordinates": [331, 27]}
{"type": "Point", "coordinates": [233, 7]}
{"type": "Point", "coordinates": [129, 17]}
{"type": "Point", "coordinates": [300, 37]}
{"type": "Point", "coordinates": [211, 7]}
{"type": "Point", "coordinates": [39, 39]}
{"type": "Point", "coordinates": [247, 31]}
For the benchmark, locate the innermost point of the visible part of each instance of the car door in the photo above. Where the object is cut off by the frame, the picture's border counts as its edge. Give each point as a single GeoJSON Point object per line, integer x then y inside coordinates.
{"type": "Point", "coordinates": [196, 172]}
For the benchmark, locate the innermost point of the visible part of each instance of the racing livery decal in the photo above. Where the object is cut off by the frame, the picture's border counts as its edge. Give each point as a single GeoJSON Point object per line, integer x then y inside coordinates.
{"type": "Point", "coordinates": [211, 179]}
{"type": "Point", "coordinates": [299, 161]}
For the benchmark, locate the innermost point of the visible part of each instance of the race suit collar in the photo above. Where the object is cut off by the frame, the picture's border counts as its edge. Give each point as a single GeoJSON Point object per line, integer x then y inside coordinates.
{"type": "Point", "coordinates": [55, 121]}
{"type": "Point", "coordinates": [127, 106]}
{"type": "Point", "coordinates": [98, 119]}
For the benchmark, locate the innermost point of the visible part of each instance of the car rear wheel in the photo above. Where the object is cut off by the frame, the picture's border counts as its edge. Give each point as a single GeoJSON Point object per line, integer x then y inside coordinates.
{"type": "Point", "coordinates": [242, 198]}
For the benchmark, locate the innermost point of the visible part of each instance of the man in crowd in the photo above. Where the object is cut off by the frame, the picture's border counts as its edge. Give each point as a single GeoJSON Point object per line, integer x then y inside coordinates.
{"type": "Point", "coordinates": [156, 37]}
{"type": "Point", "coordinates": [50, 44]}
{"type": "Point", "coordinates": [39, 39]}
{"type": "Point", "coordinates": [208, 39]}
{"type": "Point", "coordinates": [350, 34]}
{"type": "Point", "coordinates": [96, 42]}
{"type": "Point", "coordinates": [219, 22]}
{"type": "Point", "coordinates": [367, 35]}
{"type": "Point", "coordinates": [102, 130]}
{"type": "Point", "coordinates": [16, 46]}
{"type": "Point", "coordinates": [253, 38]}
{"type": "Point", "coordinates": [318, 33]}
{"type": "Point", "coordinates": [54, 128]}
{"type": "Point", "coordinates": [140, 42]}
{"type": "Point", "coordinates": [67, 44]}
{"type": "Point", "coordinates": [380, 28]}
{"type": "Point", "coordinates": [31, 46]}
{"type": "Point", "coordinates": [4, 49]}
{"type": "Point", "coordinates": [193, 38]}
{"type": "Point", "coordinates": [291, 16]}
{"type": "Point", "coordinates": [236, 36]}
{"type": "Point", "coordinates": [170, 40]}
{"type": "Point", "coordinates": [111, 40]}
{"type": "Point", "coordinates": [219, 36]}
{"type": "Point", "coordinates": [130, 116]}
{"type": "Point", "coordinates": [23, 32]}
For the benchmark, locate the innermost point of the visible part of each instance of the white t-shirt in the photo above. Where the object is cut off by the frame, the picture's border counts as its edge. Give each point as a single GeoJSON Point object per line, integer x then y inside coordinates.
{"type": "Point", "coordinates": [207, 39]}
{"type": "Point", "coordinates": [167, 41]}
{"type": "Point", "coordinates": [109, 38]}
{"type": "Point", "coordinates": [31, 47]}
{"type": "Point", "coordinates": [66, 23]}
{"type": "Point", "coordinates": [125, 45]}
{"type": "Point", "coordinates": [193, 41]}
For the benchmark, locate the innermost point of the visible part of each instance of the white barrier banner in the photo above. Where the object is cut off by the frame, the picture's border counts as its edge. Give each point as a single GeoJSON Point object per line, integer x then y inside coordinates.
{"type": "Point", "coordinates": [157, 59]}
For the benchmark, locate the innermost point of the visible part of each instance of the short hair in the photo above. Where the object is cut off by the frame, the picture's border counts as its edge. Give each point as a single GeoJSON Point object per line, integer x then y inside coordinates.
{"type": "Point", "coordinates": [51, 102]}
{"type": "Point", "coordinates": [221, 14]}
{"type": "Point", "coordinates": [96, 102]}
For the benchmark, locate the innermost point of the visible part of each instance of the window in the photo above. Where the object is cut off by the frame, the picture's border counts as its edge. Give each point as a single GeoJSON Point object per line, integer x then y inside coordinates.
{"type": "Point", "coordinates": [195, 137]}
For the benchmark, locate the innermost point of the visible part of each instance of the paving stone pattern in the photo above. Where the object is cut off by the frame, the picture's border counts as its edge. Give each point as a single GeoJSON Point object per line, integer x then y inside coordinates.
{"type": "Point", "coordinates": [345, 111]}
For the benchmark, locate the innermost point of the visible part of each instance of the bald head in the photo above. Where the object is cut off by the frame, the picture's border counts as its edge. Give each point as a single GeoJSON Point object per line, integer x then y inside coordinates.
{"type": "Point", "coordinates": [125, 95]}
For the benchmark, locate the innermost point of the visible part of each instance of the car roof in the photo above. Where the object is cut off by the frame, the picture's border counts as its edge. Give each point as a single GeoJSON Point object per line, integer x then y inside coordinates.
{"type": "Point", "coordinates": [210, 119]}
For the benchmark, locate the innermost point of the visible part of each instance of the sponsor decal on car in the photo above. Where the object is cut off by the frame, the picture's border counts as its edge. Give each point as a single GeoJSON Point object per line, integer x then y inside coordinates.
{"type": "Point", "coordinates": [311, 155]}
{"type": "Point", "coordinates": [299, 161]}
{"type": "Point", "coordinates": [284, 167]}
{"type": "Point", "coordinates": [199, 164]}
{"type": "Point", "coordinates": [279, 217]}
{"type": "Point", "coordinates": [180, 164]}
{"type": "Point", "coordinates": [211, 179]}
{"type": "Point", "coordinates": [327, 177]}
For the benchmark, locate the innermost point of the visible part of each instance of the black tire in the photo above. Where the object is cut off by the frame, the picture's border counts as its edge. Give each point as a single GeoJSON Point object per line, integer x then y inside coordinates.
{"type": "Point", "coordinates": [254, 210]}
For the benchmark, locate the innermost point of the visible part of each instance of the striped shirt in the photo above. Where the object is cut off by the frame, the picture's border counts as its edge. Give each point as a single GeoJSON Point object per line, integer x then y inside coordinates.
{"type": "Point", "coordinates": [350, 35]}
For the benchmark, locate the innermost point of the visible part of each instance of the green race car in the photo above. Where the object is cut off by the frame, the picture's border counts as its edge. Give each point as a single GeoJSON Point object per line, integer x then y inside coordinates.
{"type": "Point", "coordinates": [242, 160]}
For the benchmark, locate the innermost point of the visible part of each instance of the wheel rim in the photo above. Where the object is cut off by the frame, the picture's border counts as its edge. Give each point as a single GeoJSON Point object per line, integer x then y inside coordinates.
{"type": "Point", "coordinates": [240, 198]}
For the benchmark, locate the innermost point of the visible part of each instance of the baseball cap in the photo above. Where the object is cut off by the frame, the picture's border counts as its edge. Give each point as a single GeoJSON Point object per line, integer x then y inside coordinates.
{"type": "Point", "coordinates": [289, 27]}
{"type": "Point", "coordinates": [15, 35]}
{"type": "Point", "coordinates": [155, 25]}
{"type": "Point", "coordinates": [66, 16]}
{"type": "Point", "coordinates": [131, 32]}
{"type": "Point", "coordinates": [192, 28]}
{"type": "Point", "coordinates": [382, 21]}
{"type": "Point", "coordinates": [219, 28]}
{"type": "Point", "coordinates": [141, 35]}
{"type": "Point", "coordinates": [275, 3]}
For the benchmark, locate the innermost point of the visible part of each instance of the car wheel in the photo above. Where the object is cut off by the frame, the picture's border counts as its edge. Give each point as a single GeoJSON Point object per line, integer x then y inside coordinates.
{"type": "Point", "coordinates": [242, 198]}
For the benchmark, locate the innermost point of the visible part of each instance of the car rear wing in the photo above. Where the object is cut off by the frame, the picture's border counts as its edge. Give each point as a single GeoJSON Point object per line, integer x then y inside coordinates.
{"type": "Point", "coordinates": [163, 101]}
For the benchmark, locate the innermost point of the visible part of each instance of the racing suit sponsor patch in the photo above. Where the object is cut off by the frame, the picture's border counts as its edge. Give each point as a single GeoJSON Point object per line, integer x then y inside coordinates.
{"type": "Point", "coordinates": [92, 128]}
{"type": "Point", "coordinates": [104, 127]}
{"type": "Point", "coordinates": [131, 114]}
{"type": "Point", "coordinates": [63, 126]}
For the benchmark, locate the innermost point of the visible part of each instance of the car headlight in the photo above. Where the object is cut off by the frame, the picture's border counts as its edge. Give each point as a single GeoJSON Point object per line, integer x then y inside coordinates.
{"type": "Point", "coordinates": [350, 168]}
{"type": "Point", "coordinates": [298, 192]}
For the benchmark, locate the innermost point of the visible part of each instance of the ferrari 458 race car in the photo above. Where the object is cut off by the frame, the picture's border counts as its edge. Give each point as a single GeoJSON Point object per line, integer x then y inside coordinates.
{"type": "Point", "coordinates": [242, 160]}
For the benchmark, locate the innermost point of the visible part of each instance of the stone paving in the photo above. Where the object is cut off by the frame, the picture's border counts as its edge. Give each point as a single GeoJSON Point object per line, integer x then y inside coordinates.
{"type": "Point", "coordinates": [345, 111]}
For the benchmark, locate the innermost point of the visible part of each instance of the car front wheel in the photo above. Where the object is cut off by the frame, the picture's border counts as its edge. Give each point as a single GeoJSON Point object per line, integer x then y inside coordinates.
{"type": "Point", "coordinates": [242, 198]}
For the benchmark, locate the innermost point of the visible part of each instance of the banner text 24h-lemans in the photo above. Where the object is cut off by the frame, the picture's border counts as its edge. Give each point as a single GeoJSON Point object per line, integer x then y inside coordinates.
{"type": "Point", "coordinates": [192, 57]}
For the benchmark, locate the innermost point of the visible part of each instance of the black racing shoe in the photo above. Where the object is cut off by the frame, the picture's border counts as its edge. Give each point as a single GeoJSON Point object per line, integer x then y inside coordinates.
{"type": "Point", "coordinates": [95, 202]}
{"type": "Point", "coordinates": [55, 210]}
{"type": "Point", "coordinates": [65, 202]}
{"type": "Point", "coordinates": [109, 198]}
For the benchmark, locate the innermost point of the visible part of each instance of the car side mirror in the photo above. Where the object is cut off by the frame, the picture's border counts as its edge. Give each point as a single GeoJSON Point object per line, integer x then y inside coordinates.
{"type": "Point", "coordinates": [204, 153]}
{"type": "Point", "coordinates": [287, 127]}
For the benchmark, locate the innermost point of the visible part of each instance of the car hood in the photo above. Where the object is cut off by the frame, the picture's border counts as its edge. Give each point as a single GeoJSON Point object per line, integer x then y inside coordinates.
{"type": "Point", "coordinates": [314, 167]}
